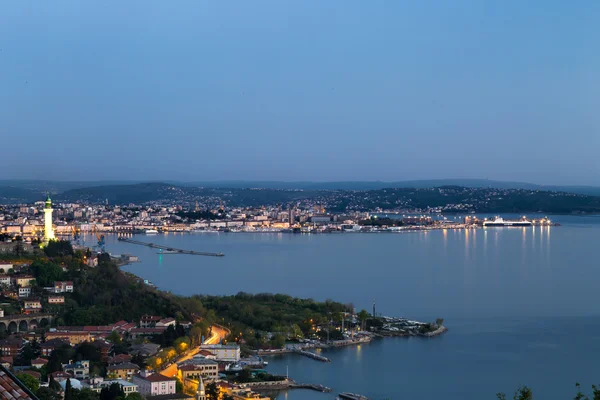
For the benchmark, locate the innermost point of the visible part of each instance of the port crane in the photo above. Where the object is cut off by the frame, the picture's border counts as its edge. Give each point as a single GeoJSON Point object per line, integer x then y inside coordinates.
{"type": "Point", "coordinates": [76, 236]}
{"type": "Point", "coordinates": [101, 242]}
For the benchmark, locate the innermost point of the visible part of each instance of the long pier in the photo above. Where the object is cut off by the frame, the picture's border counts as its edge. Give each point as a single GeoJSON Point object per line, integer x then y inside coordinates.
{"type": "Point", "coordinates": [311, 386]}
{"type": "Point", "coordinates": [170, 249]}
{"type": "Point", "coordinates": [312, 355]}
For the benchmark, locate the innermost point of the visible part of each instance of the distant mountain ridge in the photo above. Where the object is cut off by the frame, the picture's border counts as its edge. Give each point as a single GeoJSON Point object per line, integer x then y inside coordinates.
{"type": "Point", "coordinates": [61, 186]}
{"type": "Point", "coordinates": [10, 195]}
{"type": "Point", "coordinates": [376, 185]}
{"type": "Point", "coordinates": [23, 191]}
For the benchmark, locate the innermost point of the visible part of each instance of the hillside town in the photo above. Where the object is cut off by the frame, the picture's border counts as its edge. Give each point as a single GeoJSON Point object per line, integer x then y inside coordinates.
{"type": "Point", "coordinates": [97, 360]}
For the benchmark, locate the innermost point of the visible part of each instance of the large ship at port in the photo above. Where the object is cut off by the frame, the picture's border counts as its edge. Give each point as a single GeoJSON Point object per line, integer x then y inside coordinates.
{"type": "Point", "coordinates": [498, 221]}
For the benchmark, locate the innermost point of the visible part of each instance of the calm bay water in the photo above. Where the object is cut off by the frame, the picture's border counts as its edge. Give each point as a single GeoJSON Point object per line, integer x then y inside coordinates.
{"type": "Point", "coordinates": [522, 305]}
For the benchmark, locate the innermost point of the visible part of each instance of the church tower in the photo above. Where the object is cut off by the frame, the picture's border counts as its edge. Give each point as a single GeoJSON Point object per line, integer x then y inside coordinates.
{"type": "Point", "coordinates": [48, 230]}
{"type": "Point", "coordinates": [201, 393]}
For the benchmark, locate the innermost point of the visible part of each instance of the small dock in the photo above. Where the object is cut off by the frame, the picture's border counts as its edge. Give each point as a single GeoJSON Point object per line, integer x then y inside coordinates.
{"type": "Point", "coordinates": [311, 386]}
{"type": "Point", "coordinates": [171, 250]}
{"type": "Point", "coordinates": [314, 356]}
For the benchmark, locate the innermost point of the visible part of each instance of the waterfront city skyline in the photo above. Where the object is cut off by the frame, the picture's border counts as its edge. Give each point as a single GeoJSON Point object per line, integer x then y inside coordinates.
{"type": "Point", "coordinates": [307, 91]}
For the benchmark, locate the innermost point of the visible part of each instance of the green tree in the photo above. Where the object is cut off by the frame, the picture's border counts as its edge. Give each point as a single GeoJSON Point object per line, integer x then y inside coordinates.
{"type": "Point", "coordinates": [69, 394]}
{"type": "Point", "coordinates": [52, 384]}
{"type": "Point", "coordinates": [59, 248]}
{"type": "Point", "coordinates": [212, 391]}
{"type": "Point", "coordinates": [278, 341]}
{"type": "Point", "coordinates": [522, 393]}
{"type": "Point", "coordinates": [19, 249]}
{"type": "Point", "coordinates": [296, 331]}
{"type": "Point", "coordinates": [595, 392]}
{"type": "Point", "coordinates": [31, 351]}
{"type": "Point", "coordinates": [60, 356]}
{"type": "Point", "coordinates": [134, 396]}
{"type": "Point", "coordinates": [439, 322]}
{"type": "Point", "coordinates": [114, 337]}
{"type": "Point", "coordinates": [579, 395]}
{"type": "Point", "coordinates": [244, 375]}
{"type": "Point", "coordinates": [363, 315]}
{"type": "Point", "coordinates": [87, 394]}
{"type": "Point", "coordinates": [181, 344]}
{"type": "Point", "coordinates": [154, 362]}
{"type": "Point", "coordinates": [196, 334]}
{"type": "Point", "coordinates": [29, 381]}
{"type": "Point", "coordinates": [45, 393]}
{"type": "Point", "coordinates": [87, 351]}
{"type": "Point", "coordinates": [112, 392]}
{"type": "Point", "coordinates": [178, 386]}
{"type": "Point", "coordinates": [46, 273]}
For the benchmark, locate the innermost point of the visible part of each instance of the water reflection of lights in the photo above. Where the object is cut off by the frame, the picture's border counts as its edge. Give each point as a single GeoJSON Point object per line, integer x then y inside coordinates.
{"type": "Point", "coordinates": [467, 244]}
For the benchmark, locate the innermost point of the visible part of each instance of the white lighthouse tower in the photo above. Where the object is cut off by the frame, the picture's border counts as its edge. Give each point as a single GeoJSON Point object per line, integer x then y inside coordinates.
{"type": "Point", "coordinates": [48, 230]}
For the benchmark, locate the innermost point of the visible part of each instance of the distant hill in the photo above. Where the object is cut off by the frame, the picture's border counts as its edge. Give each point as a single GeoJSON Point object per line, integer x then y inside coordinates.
{"type": "Point", "coordinates": [63, 186]}
{"type": "Point", "coordinates": [124, 194]}
{"type": "Point", "coordinates": [416, 184]}
{"type": "Point", "coordinates": [57, 186]}
{"type": "Point", "coordinates": [159, 191]}
{"type": "Point", "coordinates": [253, 193]}
{"type": "Point", "coordinates": [16, 195]}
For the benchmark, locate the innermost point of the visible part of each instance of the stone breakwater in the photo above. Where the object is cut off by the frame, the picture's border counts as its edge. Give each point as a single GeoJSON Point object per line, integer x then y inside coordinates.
{"type": "Point", "coordinates": [437, 332]}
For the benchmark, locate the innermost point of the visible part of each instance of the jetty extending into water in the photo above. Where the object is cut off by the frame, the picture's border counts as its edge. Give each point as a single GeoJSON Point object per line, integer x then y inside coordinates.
{"type": "Point", "coordinates": [311, 386]}
{"type": "Point", "coordinates": [314, 356]}
{"type": "Point", "coordinates": [171, 250]}
{"type": "Point", "coordinates": [286, 384]}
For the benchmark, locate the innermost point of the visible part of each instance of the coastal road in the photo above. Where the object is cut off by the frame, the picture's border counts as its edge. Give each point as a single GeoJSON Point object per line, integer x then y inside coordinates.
{"type": "Point", "coordinates": [217, 334]}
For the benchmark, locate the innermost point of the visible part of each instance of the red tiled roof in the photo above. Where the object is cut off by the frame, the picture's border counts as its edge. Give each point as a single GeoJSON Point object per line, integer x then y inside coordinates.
{"type": "Point", "coordinates": [119, 358]}
{"type": "Point", "coordinates": [12, 341]}
{"type": "Point", "coordinates": [97, 328]}
{"type": "Point", "coordinates": [158, 378]}
{"type": "Point", "coordinates": [206, 353]}
{"type": "Point", "coordinates": [225, 385]}
{"type": "Point", "coordinates": [35, 374]}
{"type": "Point", "coordinates": [148, 330]}
{"type": "Point", "coordinates": [7, 359]}
{"type": "Point", "coordinates": [127, 327]}
{"type": "Point", "coordinates": [65, 334]}
{"type": "Point", "coordinates": [53, 343]}
{"type": "Point", "coordinates": [12, 389]}
{"type": "Point", "coordinates": [39, 361]}
{"type": "Point", "coordinates": [102, 344]}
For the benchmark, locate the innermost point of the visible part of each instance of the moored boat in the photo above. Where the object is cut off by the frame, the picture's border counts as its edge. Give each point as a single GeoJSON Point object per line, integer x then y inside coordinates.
{"type": "Point", "coordinates": [498, 221]}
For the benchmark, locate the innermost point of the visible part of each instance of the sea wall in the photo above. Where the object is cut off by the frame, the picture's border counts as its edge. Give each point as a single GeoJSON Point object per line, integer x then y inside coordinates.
{"type": "Point", "coordinates": [437, 332]}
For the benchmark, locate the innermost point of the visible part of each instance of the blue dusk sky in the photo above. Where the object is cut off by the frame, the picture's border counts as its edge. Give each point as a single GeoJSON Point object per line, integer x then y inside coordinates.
{"type": "Point", "coordinates": [300, 90]}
